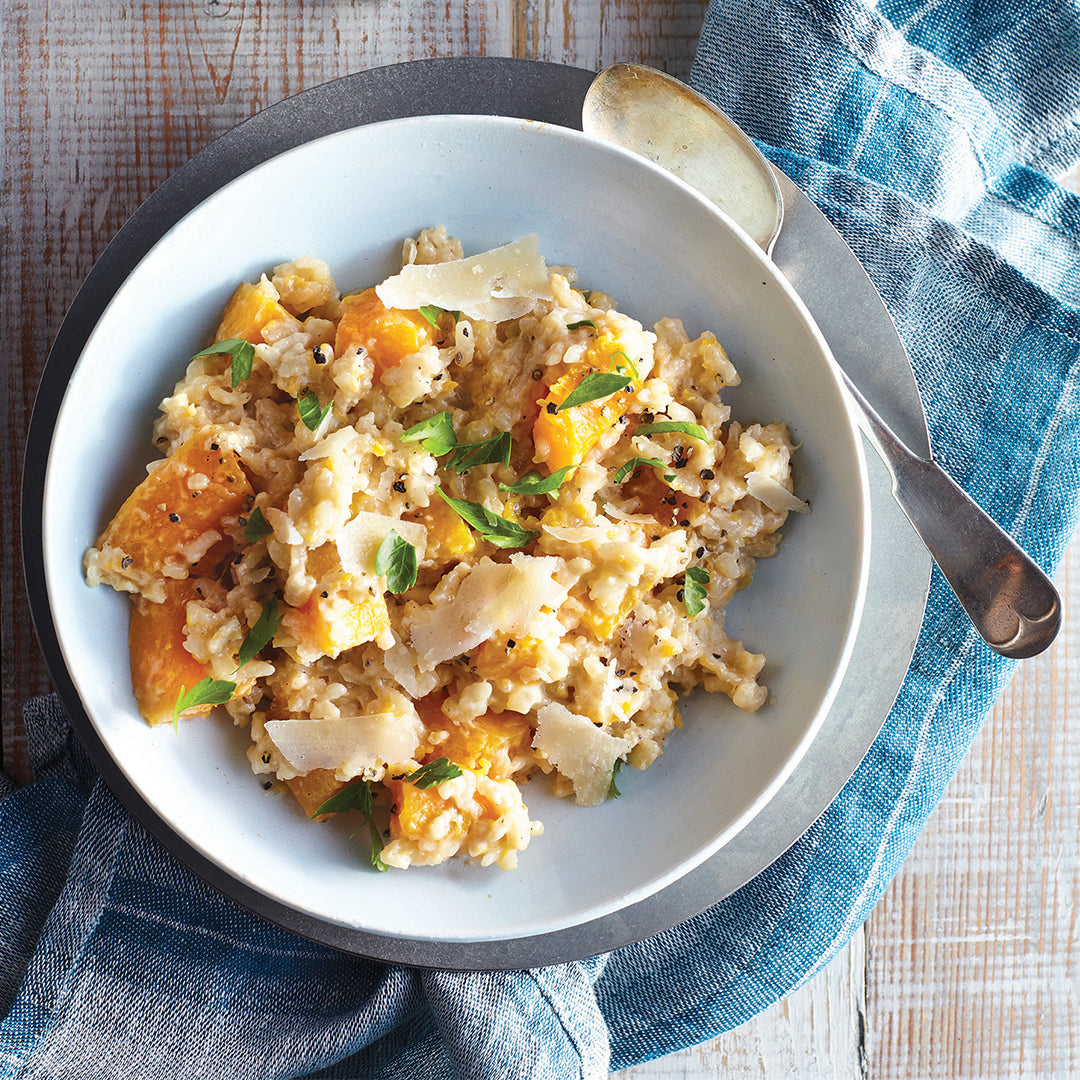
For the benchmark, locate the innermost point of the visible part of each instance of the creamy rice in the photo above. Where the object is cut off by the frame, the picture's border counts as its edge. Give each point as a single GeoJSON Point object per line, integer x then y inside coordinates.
{"type": "Point", "coordinates": [554, 640]}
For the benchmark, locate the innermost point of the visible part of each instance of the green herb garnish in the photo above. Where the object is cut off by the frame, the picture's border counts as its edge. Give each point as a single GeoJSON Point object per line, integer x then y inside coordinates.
{"type": "Point", "coordinates": [628, 365]}
{"type": "Point", "coordinates": [357, 796]}
{"type": "Point", "coordinates": [431, 313]}
{"type": "Point", "coordinates": [242, 353]}
{"type": "Point", "coordinates": [613, 791]}
{"type": "Point", "coordinates": [257, 526]}
{"type": "Point", "coordinates": [695, 431]}
{"type": "Point", "coordinates": [493, 528]}
{"type": "Point", "coordinates": [435, 434]}
{"type": "Point", "coordinates": [697, 577]}
{"type": "Point", "coordinates": [208, 691]}
{"type": "Point", "coordinates": [266, 626]}
{"type": "Point", "coordinates": [434, 773]}
{"type": "Point", "coordinates": [632, 464]}
{"type": "Point", "coordinates": [583, 322]}
{"type": "Point", "coordinates": [535, 483]}
{"type": "Point", "coordinates": [311, 412]}
{"type": "Point", "coordinates": [396, 561]}
{"type": "Point", "coordinates": [597, 384]}
{"type": "Point", "coordinates": [491, 451]}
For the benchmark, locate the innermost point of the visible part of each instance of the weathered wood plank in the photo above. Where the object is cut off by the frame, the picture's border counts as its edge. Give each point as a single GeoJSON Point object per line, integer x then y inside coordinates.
{"type": "Point", "coordinates": [599, 32]}
{"type": "Point", "coordinates": [815, 1034]}
{"type": "Point", "coordinates": [973, 967]}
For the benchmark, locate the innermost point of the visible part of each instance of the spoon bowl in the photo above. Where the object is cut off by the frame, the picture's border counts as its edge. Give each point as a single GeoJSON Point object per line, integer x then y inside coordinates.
{"type": "Point", "coordinates": [1009, 600]}
{"type": "Point", "coordinates": [681, 131]}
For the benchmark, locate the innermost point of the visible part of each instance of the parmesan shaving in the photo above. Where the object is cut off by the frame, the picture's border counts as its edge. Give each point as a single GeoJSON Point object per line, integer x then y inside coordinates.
{"type": "Point", "coordinates": [334, 443]}
{"type": "Point", "coordinates": [349, 745]}
{"type": "Point", "coordinates": [401, 663]}
{"type": "Point", "coordinates": [773, 494]}
{"type": "Point", "coordinates": [359, 540]}
{"type": "Point", "coordinates": [285, 532]}
{"type": "Point", "coordinates": [580, 750]}
{"type": "Point", "coordinates": [492, 598]}
{"type": "Point", "coordinates": [503, 283]}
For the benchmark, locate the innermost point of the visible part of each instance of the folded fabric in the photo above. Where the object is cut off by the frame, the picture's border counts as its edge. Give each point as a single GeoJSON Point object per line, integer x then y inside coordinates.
{"type": "Point", "coordinates": [927, 132]}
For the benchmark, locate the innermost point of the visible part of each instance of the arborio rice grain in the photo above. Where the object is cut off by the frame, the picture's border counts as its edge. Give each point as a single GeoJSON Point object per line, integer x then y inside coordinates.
{"type": "Point", "coordinates": [550, 626]}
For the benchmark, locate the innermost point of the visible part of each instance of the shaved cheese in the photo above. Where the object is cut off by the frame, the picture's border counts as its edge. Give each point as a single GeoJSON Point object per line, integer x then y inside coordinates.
{"type": "Point", "coordinates": [492, 598]}
{"type": "Point", "coordinates": [348, 745]}
{"type": "Point", "coordinates": [359, 540]}
{"type": "Point", "coordinates": [402, 664]}
{"type": "Point", "coordinates": [773, 494]}
{"type": "Point", "coordinates": [335, 442]}
{"type": "Point", "coordinates": [284, 530]}
{"type": "Point", "coordinates": [580, 534]}
{"type": "Point", "coordinates": [580, 750]}
{"type": "Point", "coordinates": [611, 510]}
{"type": "Point", "coordinates": [500, 284]}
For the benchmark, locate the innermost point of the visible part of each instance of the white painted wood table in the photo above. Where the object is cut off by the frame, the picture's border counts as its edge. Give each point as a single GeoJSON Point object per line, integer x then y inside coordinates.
{"type": "Point", "coordinates": [968, 966]}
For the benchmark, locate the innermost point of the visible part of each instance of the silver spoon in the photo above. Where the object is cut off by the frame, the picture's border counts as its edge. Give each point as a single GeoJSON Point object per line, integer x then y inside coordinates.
{"type": "Point", "coordinates": [1010, 601]}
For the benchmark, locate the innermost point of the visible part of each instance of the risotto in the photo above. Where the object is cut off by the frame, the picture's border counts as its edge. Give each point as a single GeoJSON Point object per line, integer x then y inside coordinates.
{"type": "Point", "coordinates": [431, 539]}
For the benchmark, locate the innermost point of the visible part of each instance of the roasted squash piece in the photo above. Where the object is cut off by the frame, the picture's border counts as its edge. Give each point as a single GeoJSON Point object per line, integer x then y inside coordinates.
{"type": "Point", "coordinates": [448, 537]}
{"type": "Point", "coordinates": [160, 665]}
{"type": "Point", "coordinates": [487, 744]}
{"type": "Point", "coordinates": [327, 625]}
{"type": "Point", "coordinates": [388, 334]}
{"type": "Point", "coordinates": [175, 518]}
{"type": "Point", "coordinates": [414, 810]}
{"type": "Point", "coordinates": [312, 790]}
{"type": "Point", "coordinates": [564, 438]}
{"type": "Point", "coordinates": [161, 668]}
{"type": "Point", "coordinates": [248, 313]}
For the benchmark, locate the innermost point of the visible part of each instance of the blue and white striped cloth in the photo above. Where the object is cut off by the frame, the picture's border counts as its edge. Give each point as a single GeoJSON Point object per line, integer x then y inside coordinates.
{"type": "Point", "coordinates": [928, 132]}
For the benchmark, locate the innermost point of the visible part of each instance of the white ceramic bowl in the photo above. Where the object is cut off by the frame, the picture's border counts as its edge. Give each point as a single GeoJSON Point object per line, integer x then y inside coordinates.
{"type": "Point", "coordinates": [660, 249]}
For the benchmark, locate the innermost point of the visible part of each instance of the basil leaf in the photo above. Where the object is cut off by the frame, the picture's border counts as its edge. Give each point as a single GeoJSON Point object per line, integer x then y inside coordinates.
{"type": "Point", "coordinates": [493, 528]}
{"type": "Point", "coordinates": [435, 434]}
{"type": "Point", "coordinates": [694, 582]}
{"type": "Point", "coordinates": [396, 561]}
{"type": "Point", "coordinates": [434, 773]}
{"type": "Point", "coordinates": [357, 796]}
{"type": "Point", "coordinates": [431, 313]}
{"type": "Point", "coordinates": [597, 384]}
{"type": "Point", "coordinates": [632, 464]}
{"type": "Point", "coordinates": [535, 483]}
{"type": "Point", "coordinates": [695, 431]}
{"type": "Point", "coordinates": [311, 412]}
{"type": "Point", "coordinates": [583, 322]}
{"type": "Point", "coordinates": [613, 791]}
{"type": "Point", "coordinates": [376, 846]}
{"type": "Point", "coordinates": [257, 526]}
{"type": "Point", "coordinates": [629, 364]}
{"type": "Point", "coordinates": [491, 451]}
{"type": "Point", "coordinates": [242, 353]}
{"type": "Point", "coordinates": [266, 626]}
{"type": "Point", "coordinates": [208, 691]}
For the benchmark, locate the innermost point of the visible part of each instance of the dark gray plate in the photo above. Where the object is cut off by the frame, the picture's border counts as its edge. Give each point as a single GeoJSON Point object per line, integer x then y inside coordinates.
{"type": "Point", "coordinates": [840, 297]}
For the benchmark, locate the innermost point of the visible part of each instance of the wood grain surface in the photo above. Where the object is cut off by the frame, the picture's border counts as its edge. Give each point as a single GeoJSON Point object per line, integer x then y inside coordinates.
{"type": "Point", "coordinates": [968, 966]}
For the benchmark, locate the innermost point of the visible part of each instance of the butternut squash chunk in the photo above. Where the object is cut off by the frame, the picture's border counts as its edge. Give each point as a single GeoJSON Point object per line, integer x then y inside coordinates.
{"type": "Point", "coordinates": [248, 313]}
{"type": "Point", "coordinates": [175, 517]}
{"type": "Point", "coordinates": [387, 334]}
{"type": "Point", "coordinates": [161, 668]}
{"type": "Point", "coordinates": [564, 438]}
{"type": "Point", "coordinates": [312, 790]}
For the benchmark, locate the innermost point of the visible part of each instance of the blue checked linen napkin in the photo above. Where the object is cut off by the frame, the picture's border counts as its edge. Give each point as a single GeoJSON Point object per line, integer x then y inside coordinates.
{"type": "Point", "coordinates": [927, 132]}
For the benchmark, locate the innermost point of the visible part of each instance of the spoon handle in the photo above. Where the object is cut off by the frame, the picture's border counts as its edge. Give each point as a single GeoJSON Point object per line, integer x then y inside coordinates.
{"type": "Point", "coordinates": [1010, 601]}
